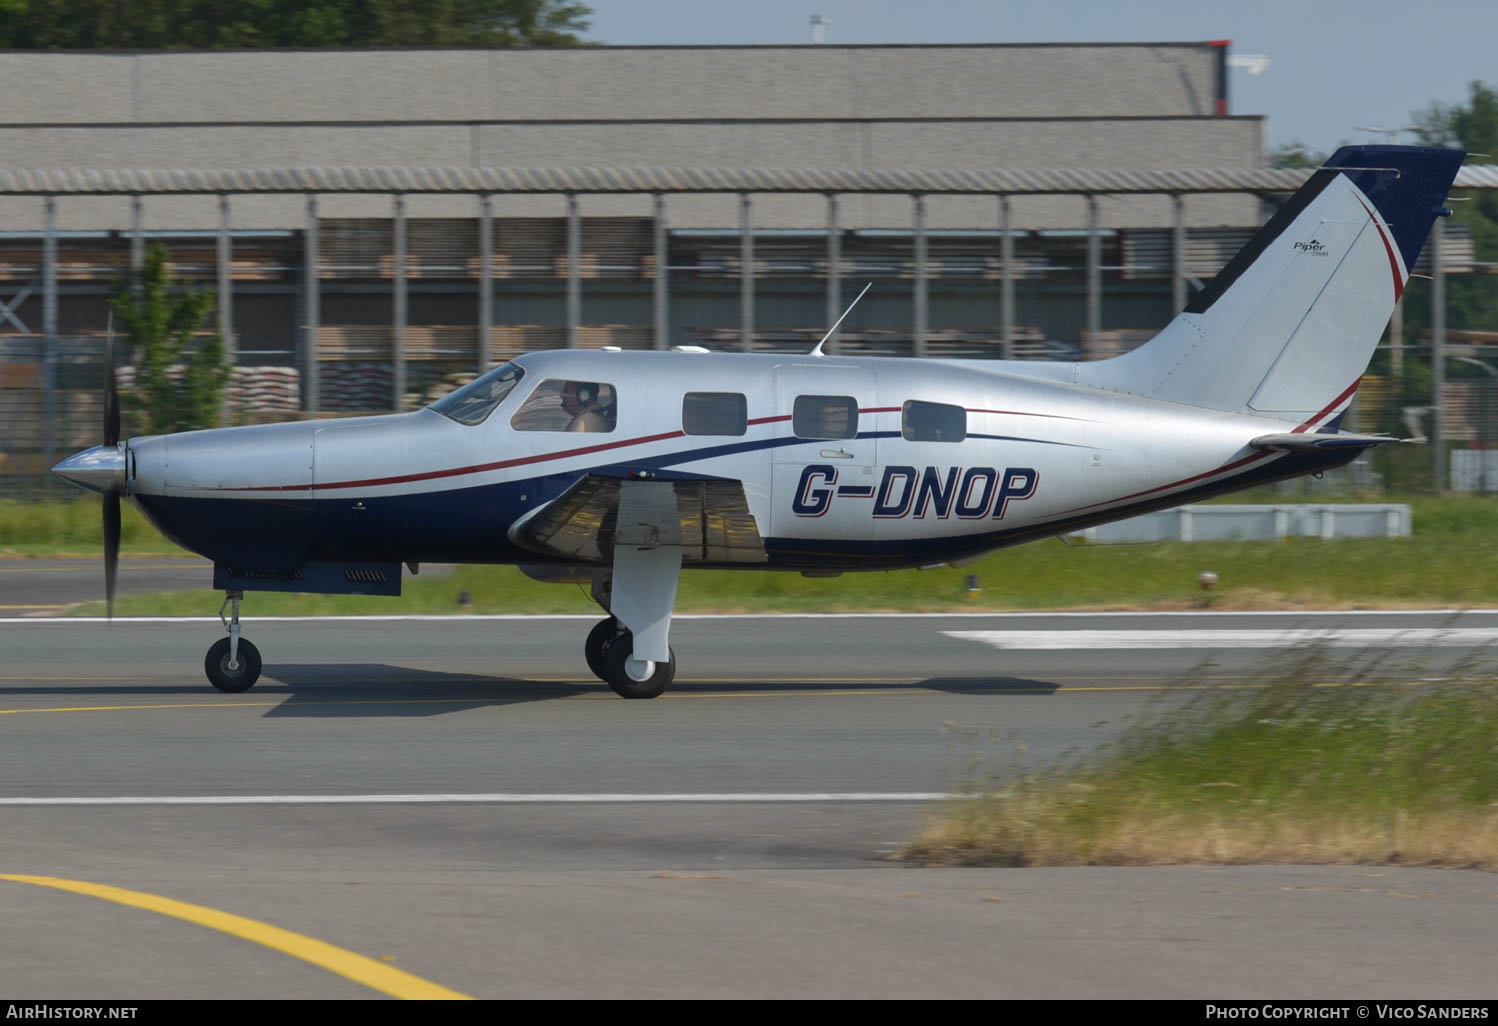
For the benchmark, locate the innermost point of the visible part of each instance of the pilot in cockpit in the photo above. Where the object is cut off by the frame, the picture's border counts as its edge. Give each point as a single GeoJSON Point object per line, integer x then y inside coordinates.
{"type": "Point", "coordinates": [580, 400]}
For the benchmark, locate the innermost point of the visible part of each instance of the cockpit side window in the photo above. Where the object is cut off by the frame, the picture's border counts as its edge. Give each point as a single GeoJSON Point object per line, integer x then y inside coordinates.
{"type": "Point", "coordinates": [932, 422]}
{"type": "Point", "coordinates": [558, 404]}
{"type": "Point", "coordinates": [473, 403]}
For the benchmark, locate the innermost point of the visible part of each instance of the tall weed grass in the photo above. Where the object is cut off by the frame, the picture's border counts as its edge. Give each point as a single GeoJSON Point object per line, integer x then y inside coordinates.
{"type": "Point", "coordinates": [1313, 765]}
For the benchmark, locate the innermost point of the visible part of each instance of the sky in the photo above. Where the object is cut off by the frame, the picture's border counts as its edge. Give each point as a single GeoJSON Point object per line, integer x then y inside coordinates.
{"type": "Point", "coordinates": [1335, 67]}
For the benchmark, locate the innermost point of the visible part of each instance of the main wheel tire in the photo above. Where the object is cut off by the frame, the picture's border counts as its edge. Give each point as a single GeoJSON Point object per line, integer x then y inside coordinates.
{"type": "Point", "coordinates": [242, 677]}
{"type": "Point", "coordinates": [626, 686]}
{"type": "Point", "coordinates": [600, 639]}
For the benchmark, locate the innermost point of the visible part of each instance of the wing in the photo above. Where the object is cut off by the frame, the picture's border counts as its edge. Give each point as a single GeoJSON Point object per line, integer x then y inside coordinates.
{"type": "Point", "coordinates": [709, 519]}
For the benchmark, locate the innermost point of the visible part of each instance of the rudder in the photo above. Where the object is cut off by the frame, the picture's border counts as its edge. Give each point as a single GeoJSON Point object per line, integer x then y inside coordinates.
{"type": "Point", "coordinates": [1287, 328]}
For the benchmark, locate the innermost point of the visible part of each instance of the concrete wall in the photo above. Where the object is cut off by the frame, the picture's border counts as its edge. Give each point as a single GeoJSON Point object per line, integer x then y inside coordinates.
{"type": "Point", "coordinates": [954, 106]}
{"type": "Point", "coordinates": [609, 84]}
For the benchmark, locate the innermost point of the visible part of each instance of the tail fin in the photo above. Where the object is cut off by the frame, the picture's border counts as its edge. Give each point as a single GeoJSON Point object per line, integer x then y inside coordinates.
{"type": "Point", "coordinates": [1287, 328]}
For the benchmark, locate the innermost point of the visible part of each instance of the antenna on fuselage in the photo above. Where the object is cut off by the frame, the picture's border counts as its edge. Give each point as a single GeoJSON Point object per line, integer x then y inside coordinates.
{"type": "Point", "coordinates": [817, 349]}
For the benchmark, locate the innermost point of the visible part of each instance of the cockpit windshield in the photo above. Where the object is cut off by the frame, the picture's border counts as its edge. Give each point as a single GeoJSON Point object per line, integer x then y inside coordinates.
{"type": "Point", "coordinates": [473, 403]}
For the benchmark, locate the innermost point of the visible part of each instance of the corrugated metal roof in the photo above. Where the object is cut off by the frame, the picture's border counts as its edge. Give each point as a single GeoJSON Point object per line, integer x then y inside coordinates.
{"type": "Point", "coordinates": [1008, 181]}
{"type": "Point", "coordinates": [1478, 176]}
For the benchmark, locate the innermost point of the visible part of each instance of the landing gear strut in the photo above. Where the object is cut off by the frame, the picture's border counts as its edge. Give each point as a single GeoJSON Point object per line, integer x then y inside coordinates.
{"type": "Point", "coordinates": [232, 663]}
{"type": "Point", "coordinates": [630, 649]}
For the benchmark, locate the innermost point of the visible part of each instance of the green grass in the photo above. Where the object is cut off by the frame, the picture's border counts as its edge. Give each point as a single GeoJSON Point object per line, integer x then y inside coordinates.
{"type": "Point", "coordinates": [1309, 767]}
{"type": "Point", "coordinates": [74, 527]}
{"type": "Point", "coordinates": [1452, 560]}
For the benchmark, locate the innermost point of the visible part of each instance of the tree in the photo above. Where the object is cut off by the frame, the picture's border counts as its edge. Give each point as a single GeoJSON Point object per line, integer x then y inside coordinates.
{"type": "Point", "coordinates": [1471, 299]}
{"type": "Point", "coordinates": [219, 24]}
{"type": "Point", "coordinates": [180, 374]}
{"type": "Point", "coordinates": [1295, 155]}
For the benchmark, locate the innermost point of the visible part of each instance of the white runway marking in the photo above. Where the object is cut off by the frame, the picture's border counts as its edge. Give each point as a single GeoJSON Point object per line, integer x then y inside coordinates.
{"type": "Point", "coordinates": [479, 799]}
{"type": "Point", "coordinates": [1437, 637]}
{"type": "Point", "coordinates": [957, 615]}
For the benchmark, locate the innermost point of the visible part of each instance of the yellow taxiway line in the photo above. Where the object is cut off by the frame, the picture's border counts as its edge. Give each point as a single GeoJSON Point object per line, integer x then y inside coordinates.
{"type": "Point", "coordinates": [377, 975]}
{"type": "Point", "coordinates": [904, 687]}
{"type": "Point", "coordinates": [124, 565]}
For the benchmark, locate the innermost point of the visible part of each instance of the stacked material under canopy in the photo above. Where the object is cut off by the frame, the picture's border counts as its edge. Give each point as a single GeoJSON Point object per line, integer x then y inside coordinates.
{"type": "Point", "coordinates": [251, 389]}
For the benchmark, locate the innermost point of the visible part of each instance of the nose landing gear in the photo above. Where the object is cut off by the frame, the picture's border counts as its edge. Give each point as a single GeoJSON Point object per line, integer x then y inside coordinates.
{"type": "Point", "coordinates": [232, 663]}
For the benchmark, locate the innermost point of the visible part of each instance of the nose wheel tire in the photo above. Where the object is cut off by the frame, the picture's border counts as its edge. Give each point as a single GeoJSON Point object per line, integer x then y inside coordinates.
{"type": "Point", "coordinates": [600, 640]}
{"type": "Point", "coordinates": [634, 678]}
{"type": "Point", "coordinates": [239, 678]}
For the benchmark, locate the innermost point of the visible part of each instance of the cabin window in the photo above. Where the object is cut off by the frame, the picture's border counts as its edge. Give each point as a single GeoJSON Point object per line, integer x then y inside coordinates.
{"type": "Point", "coordinates": [932, 422]}
{"type": "Point", "coordinates": [825, 416]}
{"type": "Point", "coordinates": [714, 413]}
{"type": "Point", "coordinates": [473, 403]}
{"type": "Point", "coordinates": [563, 405]}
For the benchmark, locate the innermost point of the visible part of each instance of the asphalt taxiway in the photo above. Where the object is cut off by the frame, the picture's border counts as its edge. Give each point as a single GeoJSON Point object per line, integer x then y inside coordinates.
{"type": "Point", "coordinates": [42, 587]}
{"type": "Point", "coordinates": [458, 800]}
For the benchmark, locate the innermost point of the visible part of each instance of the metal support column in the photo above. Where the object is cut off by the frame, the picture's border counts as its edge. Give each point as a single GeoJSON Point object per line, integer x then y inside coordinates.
{"type": "Point", "coordinates": [746, 273]}
{"type": "Point", "coordinates": [484, 343]}
{"type": "Point", "coordinates": [226, 301]}
{"type": "Point", "coordinates": [918, 340]}
{"type": "Point", "coordinates": [662, 276]}
{"type": "Point", "coordinates": [1178, 257]}
{"type": "Point", "coordinates": [574, 272]}
{"type": "Point", "coordinates": [137, 239]}
{"type": "Point", "coordinates": [1438, 355]}
{"type": "Point", "coordinates": [1006, 279]}
{"type": "Point", "coordinates": [310, 300]}
{"type": "Point", "coordinates": [834, 274]}
{"type": "Point", "coordinates": [1396, 341]}
{"type": "Point", "coordinates": [1094, 278]}
{"type": "Point", "coordinates": [49, 335]}
{"type": "Point", "coordinates": [398, 289]}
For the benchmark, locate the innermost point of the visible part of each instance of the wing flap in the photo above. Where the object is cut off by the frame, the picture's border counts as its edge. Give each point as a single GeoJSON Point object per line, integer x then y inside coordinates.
{"type": "Point", "coordinates": [709, 519]}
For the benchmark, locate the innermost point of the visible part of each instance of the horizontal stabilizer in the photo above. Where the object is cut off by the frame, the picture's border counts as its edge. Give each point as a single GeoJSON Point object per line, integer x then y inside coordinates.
{"type": "Point", "coordinates": [1290, 442]}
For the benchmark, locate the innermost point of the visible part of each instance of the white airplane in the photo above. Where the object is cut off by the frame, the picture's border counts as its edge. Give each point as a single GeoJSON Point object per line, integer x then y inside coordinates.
{"type": "Point", "coordinates": [621, 468]}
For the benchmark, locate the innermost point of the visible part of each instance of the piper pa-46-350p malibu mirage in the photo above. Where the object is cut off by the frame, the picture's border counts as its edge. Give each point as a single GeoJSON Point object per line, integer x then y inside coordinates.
{"type": "Point", "coordinates": [621, 468]}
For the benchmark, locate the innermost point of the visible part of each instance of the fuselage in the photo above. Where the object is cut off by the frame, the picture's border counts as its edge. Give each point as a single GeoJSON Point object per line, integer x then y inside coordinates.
{"type": "Point", "coordinates": [622, 468]}
{"type": "Point", "coordinates": [911, 462]}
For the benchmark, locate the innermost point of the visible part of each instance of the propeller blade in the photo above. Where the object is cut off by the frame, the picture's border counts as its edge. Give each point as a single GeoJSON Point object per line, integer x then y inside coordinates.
{"type": "Point", "coordinates": [111, 547]}
{"type": "Point", "coordinates": [111, 396]}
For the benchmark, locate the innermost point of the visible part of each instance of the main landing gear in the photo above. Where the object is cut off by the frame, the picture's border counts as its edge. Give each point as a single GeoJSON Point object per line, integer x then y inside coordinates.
{"type": "Point", "coordinates": [610, 651]}
{"type": "Point", "coordinates": [630, 650]}
{"type": "Point", "coordinates": [232, 663]}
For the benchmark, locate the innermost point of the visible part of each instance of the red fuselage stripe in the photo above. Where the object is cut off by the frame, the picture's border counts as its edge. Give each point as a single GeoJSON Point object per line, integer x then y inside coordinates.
{"type": "Point", "coordinates": [1185, 480]}
{"type": "Point", "coordinates": [521, 461]}
{"type": "Point", "coordinates": [1389, 249]}
{"type": "Point", "coordinates": [1346, 393]}
{"type": "Point", "coordinates": [1048, 416]}
{"type": "Point", "coordinates": [459, 471]}
{"type": "Point", "coordinates": [1329, 407]}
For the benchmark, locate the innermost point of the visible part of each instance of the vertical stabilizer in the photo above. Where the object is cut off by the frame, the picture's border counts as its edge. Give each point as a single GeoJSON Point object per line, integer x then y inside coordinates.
{"type": "Point", "coordinates": [1288, 327]}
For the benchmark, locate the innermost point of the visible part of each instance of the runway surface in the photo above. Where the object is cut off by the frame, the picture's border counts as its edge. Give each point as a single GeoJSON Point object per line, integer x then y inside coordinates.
{"type": "Point", "coordinates": [42, 587]}
{"type": "Point", "coordinates": [459, 800]}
